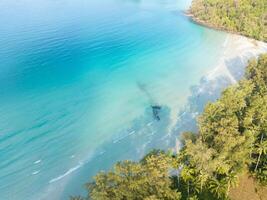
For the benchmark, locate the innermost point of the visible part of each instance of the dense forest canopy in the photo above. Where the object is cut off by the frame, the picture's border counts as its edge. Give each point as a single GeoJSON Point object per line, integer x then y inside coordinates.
{"type": "Point", "coordinates": [247, 17]}
{"type": "Point", "coordinates": [232, 139]}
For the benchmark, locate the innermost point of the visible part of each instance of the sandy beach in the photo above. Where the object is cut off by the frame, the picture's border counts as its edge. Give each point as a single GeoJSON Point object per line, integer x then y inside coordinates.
{"type": "Point", "coordinates": [238, 50]}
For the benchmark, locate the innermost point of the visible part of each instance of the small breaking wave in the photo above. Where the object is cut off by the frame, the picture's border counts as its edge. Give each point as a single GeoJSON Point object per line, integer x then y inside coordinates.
{"type": "Point", "coordinates": [131, 132]}
{"type": "Point", "coordinates": [122, 137]}
{"type": "Point", "coordinates": [66, 173]}
{"type": "Point", "coordinates": [101, 153]}
{"type": "Point", "coordinates": [35, 172]}
{"type": "Point", "coordinates": [149, 124]}
{"type": "Point", "coordinates": [37, 161]}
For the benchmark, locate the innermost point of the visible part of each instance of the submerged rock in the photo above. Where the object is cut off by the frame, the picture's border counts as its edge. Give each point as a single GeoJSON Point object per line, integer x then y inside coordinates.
{"type": "Point", "coordinates": [155, 110]}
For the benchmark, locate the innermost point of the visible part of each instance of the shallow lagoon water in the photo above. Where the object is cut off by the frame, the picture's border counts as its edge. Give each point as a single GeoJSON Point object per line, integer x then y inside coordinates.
{"type": "Point", "coordinates": [77, 79]}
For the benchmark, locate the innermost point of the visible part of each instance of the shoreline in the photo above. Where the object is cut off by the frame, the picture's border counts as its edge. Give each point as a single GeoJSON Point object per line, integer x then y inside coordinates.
{"type": "Point", "coordinates": [238, 50]}
{"type": "Point", "coordinates": [200, 22]}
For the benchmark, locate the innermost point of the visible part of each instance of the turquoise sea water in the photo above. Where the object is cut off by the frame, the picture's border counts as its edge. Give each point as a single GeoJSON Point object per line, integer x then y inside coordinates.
{"type": "Point", "coordinates": [77, 79]}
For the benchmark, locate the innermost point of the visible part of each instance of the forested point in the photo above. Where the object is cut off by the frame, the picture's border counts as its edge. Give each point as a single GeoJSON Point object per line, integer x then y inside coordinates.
{"type": "Point", "coordinates": [231, 142]}
{"type": "Point", "coordinates": [246, 17]}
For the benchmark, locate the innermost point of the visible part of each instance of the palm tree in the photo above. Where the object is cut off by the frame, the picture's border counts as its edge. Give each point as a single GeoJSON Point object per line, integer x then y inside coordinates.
{"type": "Point", "coordinates": [260, 149]}
{"type": "Point", "coordinates": [218, 188]}
{"type": "Point", "coordinates": [193, 198]}
{"type": "Point", "coordinates": [187, 175]}
{"type": "Point", "coordinates": [262, 175]}
{"type": "Point", "coordinates": [202, 179]}
{"type": "Point", "coordinates": [231, 180]}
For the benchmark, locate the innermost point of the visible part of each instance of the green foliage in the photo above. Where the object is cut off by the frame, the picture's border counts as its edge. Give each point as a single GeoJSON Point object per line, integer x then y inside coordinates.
{"type": "Point", "coordinates": [132, 181]}
{"type": "Point", "coordinates": [256, 71]}
{"type": "Point", "coordinates": [247, 17]}
{"type": "Point", "coordinates": [255, 120]}
{"type": "Point", "coordinates": [232, 135]}
{"type": "Point", "coordinates": [188, 136]}
{"type": "Point", "coordinates": [153, 152]}
{"type": "Point", "coordinates": [218, 187]}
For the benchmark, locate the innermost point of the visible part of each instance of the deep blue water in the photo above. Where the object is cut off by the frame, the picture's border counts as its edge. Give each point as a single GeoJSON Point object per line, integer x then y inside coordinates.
{"type": "Point", "coordinates": [77, 79]}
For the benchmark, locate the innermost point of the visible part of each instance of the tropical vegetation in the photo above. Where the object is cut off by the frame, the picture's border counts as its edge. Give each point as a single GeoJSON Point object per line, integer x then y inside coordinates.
{"type": "Point", "coordinates": [247, 17]}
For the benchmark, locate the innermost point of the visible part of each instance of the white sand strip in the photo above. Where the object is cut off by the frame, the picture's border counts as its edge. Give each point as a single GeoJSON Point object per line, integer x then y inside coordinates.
{"type": "Point", "coordinates": [238, 50]}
